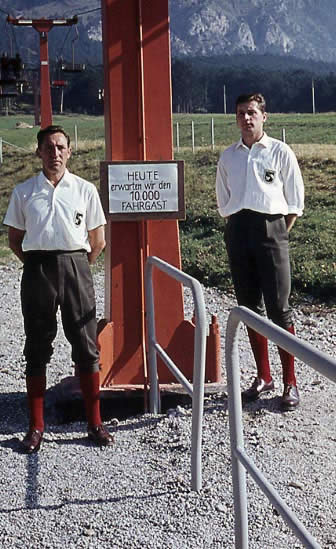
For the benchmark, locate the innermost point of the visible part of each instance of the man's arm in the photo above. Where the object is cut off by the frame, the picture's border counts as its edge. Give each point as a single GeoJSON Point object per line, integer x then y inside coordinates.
{"type": "Point", "coordinates": [290, 220]}
{"type": "Point", "coordinates": [97, 242]}
{"type": "Point", "coordinates": [15, 238]}
{"type": "Point", "coordinates": [222, 192]}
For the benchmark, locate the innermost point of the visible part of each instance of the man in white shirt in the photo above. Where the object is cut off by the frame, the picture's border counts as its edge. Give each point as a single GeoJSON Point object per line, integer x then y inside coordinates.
{"type": "Point", "coordinates": [260, 191]}
{"type": "Point", "coordinates": [56, 228]}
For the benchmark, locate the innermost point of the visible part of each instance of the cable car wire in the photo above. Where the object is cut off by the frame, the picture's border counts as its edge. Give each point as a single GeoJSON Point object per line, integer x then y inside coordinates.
{"type": "Point", "coordinates": [5, 12]}
{"type": "Point", "coordinates": [89, 11]}
{"type": "Point", "coordinates": [59, 52]}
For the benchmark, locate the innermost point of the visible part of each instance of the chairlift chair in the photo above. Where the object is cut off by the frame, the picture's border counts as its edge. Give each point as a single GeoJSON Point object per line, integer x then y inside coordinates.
{"type": "Point", "coordinates": [73, 67]}
{"type": "Point", "coordinates": [59, 84]}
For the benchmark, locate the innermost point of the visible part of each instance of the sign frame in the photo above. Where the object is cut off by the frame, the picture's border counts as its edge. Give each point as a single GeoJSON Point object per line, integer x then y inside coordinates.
{"type": "Point", "coordinates": [179, 213]}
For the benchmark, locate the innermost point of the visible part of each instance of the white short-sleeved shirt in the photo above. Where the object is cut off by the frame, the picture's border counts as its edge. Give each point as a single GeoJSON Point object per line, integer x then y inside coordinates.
{"type": "Point", "coordinates": [265, 178]}
{"type": "Point", "coordinates": [55, 218]}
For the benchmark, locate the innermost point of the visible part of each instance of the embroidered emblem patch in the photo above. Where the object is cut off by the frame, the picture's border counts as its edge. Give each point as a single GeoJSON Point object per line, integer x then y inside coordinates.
{"type": "Point", "coordinates": [269, 176]}
{"type": "Point", "coordinates": [78, 218]}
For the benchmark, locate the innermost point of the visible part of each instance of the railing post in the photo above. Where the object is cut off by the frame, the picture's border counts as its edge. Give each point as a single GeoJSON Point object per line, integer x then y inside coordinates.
{"type": "Point", "coordinates": [196, 390]}
{"type": "Point", "coordinates": [198, 387]}
{"type": "Point", "coordinates": [154, 404]}
{"type": "Point", "coordinates": [236, 432]}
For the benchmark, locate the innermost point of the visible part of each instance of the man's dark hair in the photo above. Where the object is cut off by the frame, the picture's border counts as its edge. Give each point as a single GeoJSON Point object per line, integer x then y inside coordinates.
{"type": "Point", "coordinates": [247, 97]}
{"type": "Point", "coordinates": [49, 130]}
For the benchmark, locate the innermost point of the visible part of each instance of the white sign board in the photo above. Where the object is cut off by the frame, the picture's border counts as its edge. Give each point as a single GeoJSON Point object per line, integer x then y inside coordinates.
{"type": "Point", "coordinates": [136, 190]}
{"type": "Point", "coordinates": [143, 188]}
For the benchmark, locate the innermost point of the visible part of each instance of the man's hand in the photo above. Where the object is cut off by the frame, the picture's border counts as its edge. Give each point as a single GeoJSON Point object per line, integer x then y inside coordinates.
{"type": "Point", "coordinates": [290, 220]}
{"type": "Point", "coordinates": [97, 242]}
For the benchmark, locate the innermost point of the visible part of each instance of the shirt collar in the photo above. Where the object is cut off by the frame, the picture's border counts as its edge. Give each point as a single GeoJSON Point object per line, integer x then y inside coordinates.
{"type": "Point", "coordinates": [43, 180]}
{"type": "Point", "coordinates": [264, 142]}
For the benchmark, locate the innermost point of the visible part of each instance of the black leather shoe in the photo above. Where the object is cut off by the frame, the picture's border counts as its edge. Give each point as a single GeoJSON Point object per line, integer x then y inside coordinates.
{"type": "Point", "coordinates": [290, 398]}
{"type": "Point", "coordinates": [100, 436]}
{"type": "Point", "coordinates": [258, 386]}
{"type": "Point", "coordinates": [32, 441]}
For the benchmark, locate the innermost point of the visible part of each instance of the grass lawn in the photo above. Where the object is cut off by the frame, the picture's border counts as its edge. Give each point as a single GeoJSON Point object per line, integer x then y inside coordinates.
{"type": "Point", "coordinates": [312, 239]}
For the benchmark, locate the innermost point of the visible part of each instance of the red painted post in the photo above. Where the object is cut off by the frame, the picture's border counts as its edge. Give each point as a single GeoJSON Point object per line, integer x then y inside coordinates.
{"type": "Point", "coordinates": [43, 26]}
{"type": "Point", "coordinates": [45, 93]}
{"type": "Point", "coordinates": [138, 126]}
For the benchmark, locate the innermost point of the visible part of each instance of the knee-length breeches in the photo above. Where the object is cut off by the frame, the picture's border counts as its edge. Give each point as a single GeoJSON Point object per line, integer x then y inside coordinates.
{"type": "Point", "coordinates": [51, 280]}
{"type": "Point", "coordinates": [257, 247]}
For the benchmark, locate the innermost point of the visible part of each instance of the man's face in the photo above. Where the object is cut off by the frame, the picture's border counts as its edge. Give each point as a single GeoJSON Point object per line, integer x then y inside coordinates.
{"type": "Point", "coordinates": [54, 153]}
{"type": "Point", "coordinates": [250, 121]}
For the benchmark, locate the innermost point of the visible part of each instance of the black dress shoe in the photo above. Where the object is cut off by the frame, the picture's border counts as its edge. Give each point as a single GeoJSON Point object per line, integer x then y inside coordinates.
{"type": "Point", "coordinates": [258, 386]}
{"type": "Point", "coordinates": [290, 398]}
{"type": "Point", "coordinates": [32, 441]}
{"type": "Point", "coordinates": [100, 436]}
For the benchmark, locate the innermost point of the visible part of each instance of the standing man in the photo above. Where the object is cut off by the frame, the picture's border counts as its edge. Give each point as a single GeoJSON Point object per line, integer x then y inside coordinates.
{"type": "Point", "coordinates": [260, 191]}
{"type": "Point", "coordinates": [56, 228]}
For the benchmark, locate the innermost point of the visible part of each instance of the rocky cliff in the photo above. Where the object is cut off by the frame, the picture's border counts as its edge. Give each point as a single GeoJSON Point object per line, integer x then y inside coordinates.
{"type": "Point", "coordinates": [301, 28]}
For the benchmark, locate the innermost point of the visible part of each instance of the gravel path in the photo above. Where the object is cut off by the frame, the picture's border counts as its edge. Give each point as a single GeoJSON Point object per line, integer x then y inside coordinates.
{"type": "Point", "coordinates": [137, 494]}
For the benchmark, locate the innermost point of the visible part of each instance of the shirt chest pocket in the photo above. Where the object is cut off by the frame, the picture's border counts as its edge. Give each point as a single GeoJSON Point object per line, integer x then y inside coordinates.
{"type": "Point", "coordinates": [266, 173]}
{"type": "Point", "coordinates": [73, 213]}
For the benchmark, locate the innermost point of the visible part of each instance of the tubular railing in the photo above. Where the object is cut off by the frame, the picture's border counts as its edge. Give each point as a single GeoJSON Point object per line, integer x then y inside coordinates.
{"type": "Point", "coordinates": [196, 389]}
{"type": "Point", "coordinates": [241, 462]}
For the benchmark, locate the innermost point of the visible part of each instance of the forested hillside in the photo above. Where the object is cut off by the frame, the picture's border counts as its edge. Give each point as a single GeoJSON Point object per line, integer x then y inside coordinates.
{"type": "Point", "coordinates": [198, 85]}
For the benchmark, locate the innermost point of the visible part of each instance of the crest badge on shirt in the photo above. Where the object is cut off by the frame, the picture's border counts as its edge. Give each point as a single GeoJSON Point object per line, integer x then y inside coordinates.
{"type": "Point", "coordinates": [78, 218]}
{"type": "Point", "coordinates": [269, 176]}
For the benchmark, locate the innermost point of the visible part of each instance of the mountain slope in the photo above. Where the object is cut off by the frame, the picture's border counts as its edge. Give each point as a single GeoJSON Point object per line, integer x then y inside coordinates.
{"type": "Point", "coordinates": [300, 28]}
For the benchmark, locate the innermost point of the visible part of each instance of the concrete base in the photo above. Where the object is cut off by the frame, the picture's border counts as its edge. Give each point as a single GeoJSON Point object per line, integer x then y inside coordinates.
{"type": "Point", "coordinates": [65, 403]}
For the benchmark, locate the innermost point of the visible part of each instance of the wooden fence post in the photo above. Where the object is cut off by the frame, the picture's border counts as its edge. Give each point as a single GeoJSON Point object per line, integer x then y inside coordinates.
{"type": "Point", "coordinates": [76, 138]}
{"type": "Point", "coordinates": [212, 134]}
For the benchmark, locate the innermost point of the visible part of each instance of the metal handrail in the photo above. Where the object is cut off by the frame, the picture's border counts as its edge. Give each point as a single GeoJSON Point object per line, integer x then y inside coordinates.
{"type": "Point", "coordinates": [196, 389]}
{"type": "Point", "coordinates": [314, 358]}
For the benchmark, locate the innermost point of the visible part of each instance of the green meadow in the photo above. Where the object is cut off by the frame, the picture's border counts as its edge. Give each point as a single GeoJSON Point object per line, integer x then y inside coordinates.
{"type": "Point", "coordinates": [203, 254]}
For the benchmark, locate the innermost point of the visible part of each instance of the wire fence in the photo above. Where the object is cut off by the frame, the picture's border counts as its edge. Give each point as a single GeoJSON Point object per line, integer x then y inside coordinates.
{"type": "Point", "coordinates": [3, 142]}
{"type": "Point", "coordinates": [211, 134]}
{"type": "Point", "coordinates": [197, 132]}
{"type": "Point", "coordinates": [9, 145]}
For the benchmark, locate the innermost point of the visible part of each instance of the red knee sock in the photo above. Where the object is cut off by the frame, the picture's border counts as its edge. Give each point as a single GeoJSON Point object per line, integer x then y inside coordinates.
{"type": "Point", "coordinates": [259, 346]}
{"type": "Point", "coordinates": [287, 361]}
{"type": "Point", "coordinates": [89, 384]}
{"type": "Point", "coordinates": [36, 386]}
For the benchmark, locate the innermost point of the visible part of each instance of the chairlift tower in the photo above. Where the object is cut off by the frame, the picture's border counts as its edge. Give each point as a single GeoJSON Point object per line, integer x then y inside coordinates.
{"type": "Point", "coordinates": [43, 26]}
{"type": "Point", "coordinates": [138, 128]}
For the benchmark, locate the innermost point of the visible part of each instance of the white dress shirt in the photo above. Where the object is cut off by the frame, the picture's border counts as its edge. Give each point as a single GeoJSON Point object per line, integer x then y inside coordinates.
{"type": "Point", "coordinates": [265, 178]}
{"type": "Point", "coordinates": [55, 218]}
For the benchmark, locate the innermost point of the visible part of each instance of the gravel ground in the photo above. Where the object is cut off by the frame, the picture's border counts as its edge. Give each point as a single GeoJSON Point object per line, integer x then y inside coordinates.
{"type": "Point", "coordinates": [137, 494]}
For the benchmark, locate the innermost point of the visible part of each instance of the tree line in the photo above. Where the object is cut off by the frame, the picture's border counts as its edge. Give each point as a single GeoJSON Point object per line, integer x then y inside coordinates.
{"type": "Point", "coordinates": [212, 85]}
{"type": "Point", "coordinates": [207, 85]}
